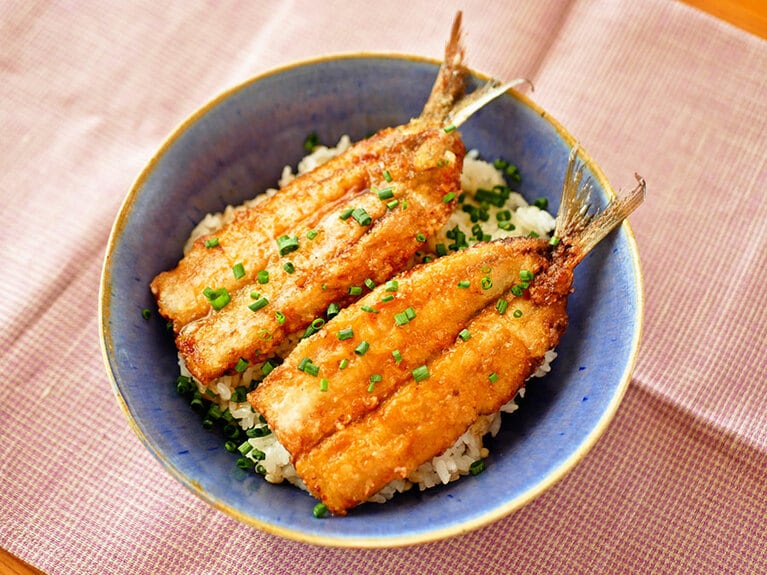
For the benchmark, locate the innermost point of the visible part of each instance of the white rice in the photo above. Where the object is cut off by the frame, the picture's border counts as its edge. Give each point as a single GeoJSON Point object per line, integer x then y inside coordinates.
{"type": "Point", "coordinates": [271, 458]}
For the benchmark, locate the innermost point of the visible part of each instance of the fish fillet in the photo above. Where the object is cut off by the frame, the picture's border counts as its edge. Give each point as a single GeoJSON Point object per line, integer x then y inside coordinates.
{"type": "Point", "coordinates": [378, 419]}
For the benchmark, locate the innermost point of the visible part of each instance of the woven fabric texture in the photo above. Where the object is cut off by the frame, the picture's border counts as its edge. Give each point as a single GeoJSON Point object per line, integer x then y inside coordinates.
{"type": "Point", "coordinates": [88, 92]}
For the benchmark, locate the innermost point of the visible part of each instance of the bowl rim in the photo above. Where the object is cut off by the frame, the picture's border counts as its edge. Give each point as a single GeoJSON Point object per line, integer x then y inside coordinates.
{"type": "Point", "coordinates": [503, 510]}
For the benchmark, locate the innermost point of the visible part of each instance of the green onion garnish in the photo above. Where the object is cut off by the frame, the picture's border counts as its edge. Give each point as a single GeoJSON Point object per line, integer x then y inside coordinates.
{"type": "Point", "coordinates": [387, 298]}
{"type": "Point", "coordinates": [362, 348]}
{"type": "Point", "coordinates": [312, 141]}
{"type": "Point", "coordinates": [332, 310]}
{"type": "Point", "coordinates": [368, 309]}
{"type": "Point", "coordinates": [385, 194]}
{"type": "Point", "coordinates": [347, 333]}
{"type": "Point", "coordinates": [239, 271]}
{"type": "Point", "coordinates": [218, 298]}
{"type": "Point", "coordinates": [410, 313]}
{"type": "Point", "coordinates": [486, 282]}
{"type": "Point", "coordinates": [280, 317]}
{"type": "Point", "coordinates": [533, 234]}
{"type": "Point", "coordinates": [503, 216]}
{"type": "Point", "coordinates": [463, 284]}
{"type": "Point", "coordinates": [554, 241]}
{"type": "Point", "coordinates": [449, 128]}
{"type": "Point", "coordinates": [420, 373]}
{"type": "Point", "coordinates": [287, 244]}
{"type": "Point", "coordinates": [448, 197]}
{"type": "Point", "coordinates": [493, 377]}
{"type": "Point", "coordinates": [258, 304]}
{"type": "Point", "coordinates": [311, 234]}
{"type": "Point", "coordinates": [289, 267]}
{"type": "Point", "coordinates": [517, 313]}
{"type": "Point", "coordinates": [501, 306]}
{"type": "Point", "coordinates": [375, 378]}
{"type": "Point", "coordinates": [211, 243]}
{"type": "Point", "coordinates": [464, 334]}
{"type": "Point", "coordinates": [526, 275]}
{"type": "Point", "coordinates": [320, 510]}
{"type": "Point", "coordinates": [477, 467]}
{"type": "Point", "coordinates": [441, 249]}
{"type": "Point", "coordinates": [241, 366]}
{"type": "Point", "coordinates": [387, 176]}
{"type": "Point", "coordinates": [346, 214]}
{"type": "Point", "coordinates": [420, 238]}
{"type": "Point", "coordinates": [343, 363]}
{"type": "Point", "coordinates": [146, 313]}
{"type": "Point", "coordinates": [401, 318]}
{"type": "Point", "coordinates": [323, 384]}
{"type": "Point", "coordinates": [370, 283]}
{"type": "Point", "coordinates": [263, 277]}
{"type": "Point", "coordinates": [396, 355]}
{"type": "Point", "coordinates": [355, 290]}
{"type": "Point", "coordinates": [267, 368]}
{"type": "Point", "coordinates": [245, 447]}
{"type": "Point", "coordinates": [361, 216]}
{"type": "Point", "coordinates": [541, 203]}
{"type": "Point", "coordinates": [392, 285]}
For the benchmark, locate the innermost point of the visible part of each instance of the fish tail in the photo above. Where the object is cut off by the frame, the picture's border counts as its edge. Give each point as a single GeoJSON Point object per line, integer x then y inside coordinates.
{"type": "Point", "coordinates": [576, 225]}
{"type": "Point", "coordinates": [480, 97]}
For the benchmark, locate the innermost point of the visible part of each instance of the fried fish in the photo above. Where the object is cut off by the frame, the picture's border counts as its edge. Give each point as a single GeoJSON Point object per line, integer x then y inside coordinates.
{"type": "Point", "coordinates": [395, 378]}
{"type": "Point", "coordinates": [350, 224]}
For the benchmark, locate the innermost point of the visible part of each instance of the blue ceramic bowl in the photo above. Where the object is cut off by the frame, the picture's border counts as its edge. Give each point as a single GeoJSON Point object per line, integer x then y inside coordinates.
{"type": "Point", "coordinates": [234, 148]}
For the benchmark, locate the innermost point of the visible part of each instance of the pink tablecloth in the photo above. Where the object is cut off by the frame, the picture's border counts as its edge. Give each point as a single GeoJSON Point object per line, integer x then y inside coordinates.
{"type": "Point", "coordinates": [88, 91]}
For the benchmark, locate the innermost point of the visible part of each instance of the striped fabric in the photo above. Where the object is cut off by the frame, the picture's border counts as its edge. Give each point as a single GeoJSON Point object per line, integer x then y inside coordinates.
{"type": "Point", "coordinates": [678, 484]}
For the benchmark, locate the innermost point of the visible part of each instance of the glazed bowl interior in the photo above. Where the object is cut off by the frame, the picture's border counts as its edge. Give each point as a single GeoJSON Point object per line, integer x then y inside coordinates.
{"type": "Point", "coordinates": [234, 148]}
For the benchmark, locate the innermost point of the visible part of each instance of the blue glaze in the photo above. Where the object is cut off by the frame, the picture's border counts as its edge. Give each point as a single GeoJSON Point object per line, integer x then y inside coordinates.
{"type": "Point", "coordinates": [236, 147]}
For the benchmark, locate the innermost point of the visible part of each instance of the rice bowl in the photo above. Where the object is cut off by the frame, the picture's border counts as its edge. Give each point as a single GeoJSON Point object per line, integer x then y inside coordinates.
{"type": "Point", "coordinates": [217, 158]}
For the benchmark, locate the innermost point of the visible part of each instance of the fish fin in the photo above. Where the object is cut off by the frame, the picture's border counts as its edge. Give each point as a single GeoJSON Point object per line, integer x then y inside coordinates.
{"type": "Point", "coordinates": [576, 224]}
{"type": "Point", "coordinates": [450, 84]}
{"type": "Point", "coordinates": [480, 97]}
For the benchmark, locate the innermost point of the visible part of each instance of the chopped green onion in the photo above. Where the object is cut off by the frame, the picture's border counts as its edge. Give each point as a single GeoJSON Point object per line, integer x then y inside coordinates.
{"type": "Point", "coordinates": [513, 172]}
{"type": "Point", "coordinates": [267, 368]}
{"type": "Point", "coordinates": [396, 355]}
{"type": "Point", "coordinates": [401, 318]}
{"type": "Point", "coordinates": [218, 298]}
{"type": "Point", "coordinates": [449, 128]}
{"type": "Point", "coordinates": [260, 469]}
{"type": "Point", "coordinates": [332, 310]}
{"type": "Point", "coordinates": [257, 454]}
{"type": "Point", "coordinates": [370, 283]}
{"type": "Point", "coordinates": [385, 194]}
{"type": "Point", "coordinates": [287, 244]}
{"type": "Point", "coordinates": [245, 447]}
{"type": "Point", "coordinates": [346, 214]}
{"type": "Point", "coordinates": [493, 377]}
{"type": "Point", "coordinates": [343, 363]}
{"type": "Point", "coordinates": [503, 216]}
{"type": "Point", "coordinates": [387, 298]}
{"type": "Point", "coordinates": [258, 304]}
{"type": "Point", "coordinates": [392, 204]}
{"type": "Point", "coordinates": [448, 197]}
{"type": "Point", "coordinates": [501, 306]}
{"type": "Point", "coordinates": [477, 467]}
{"type": "Point", "coordinates": [500, 163]}
{"type": "Point", "coordinates": [463, 284]}
{"type": "Point", "coordinates": [355, 290]}
{"type": "Point", "coordinates": [231, 431]}
{"type": "Point", "coordinates": [368, 309]}
{"type": "Point", "coordinates": [146, 313]}
{"type": "Point", "coordinates": [230, 446]}
{"type": "Point", "coordinates": [263, 277]}
{"type": "Point", "coordinates": [245, 463]}
{"type": "Point", "coordinates": [507, 226]}
{"type": "Point", "coordinates": [375, 378]}
{"type": "Point", "coordinates": [486, 282]}
{"type": "Point", "coordinates": [387, 176]}
{"type": "Point", "coordinates": [312, 141]}
{"type": "Point", "coordinates": [420, 373]}
{"type": "Point", "coordinates": [441, 249]}
{"type": "Point", "coordinates": [361, 216]}
{"type": "Point", "coordinates": [392, 285]}
{"type": "Point", "coordinates": [309, 367]}
{"type": "Point", "coordinates": [404, 204]}
{"type": "Point", "coordinates": [238, 270]}
{"type": "Point", "coordinates": [464, 334]}
{"type": "Point", "coordinates": [362, 348]}
{"type": "Point", "coordinates": [323, 384]}
{"type": "Point", "coordinates": [211, 243]}
{"type": "Point", "coordinates": [255, 294]}
{"type": "Point", "coordinates": [241, 366]}
{"type": "Point", "coordinates": [183, 384]}
{"type": "Point", "coordinates": [289, 267]}
{"type": "Point", "coordinates": [410, 313]}
{"type": "Point", "coordinates": [533, 234]}
{"type": "Point", "coordinates": [320, 510]}
{"type": "Point", "coordinates": [347, 333]}
{"type": "Point", "coordinates": [311, 234]}
{"type": "Point", "coordinates": [420, 238]}
{"type": "Point", "coordinates": [541, 203]}
{"type": "Point", "coordinates": [517, 313]}
{"type": "Point", "coordinates": [280, 317]}
{"type": "Point", "coordinates": [554, 241]}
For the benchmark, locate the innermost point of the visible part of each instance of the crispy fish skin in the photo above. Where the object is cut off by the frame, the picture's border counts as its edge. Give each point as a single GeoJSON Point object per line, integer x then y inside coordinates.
{"type": "Point", "coordinates": [301, 415]}
{"type": "Point", "coordinates": [425, 165]}
{"type": "Point", "coordinates": [422, 419]}
{"type": "Point", "coordinates": [367, 436]}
